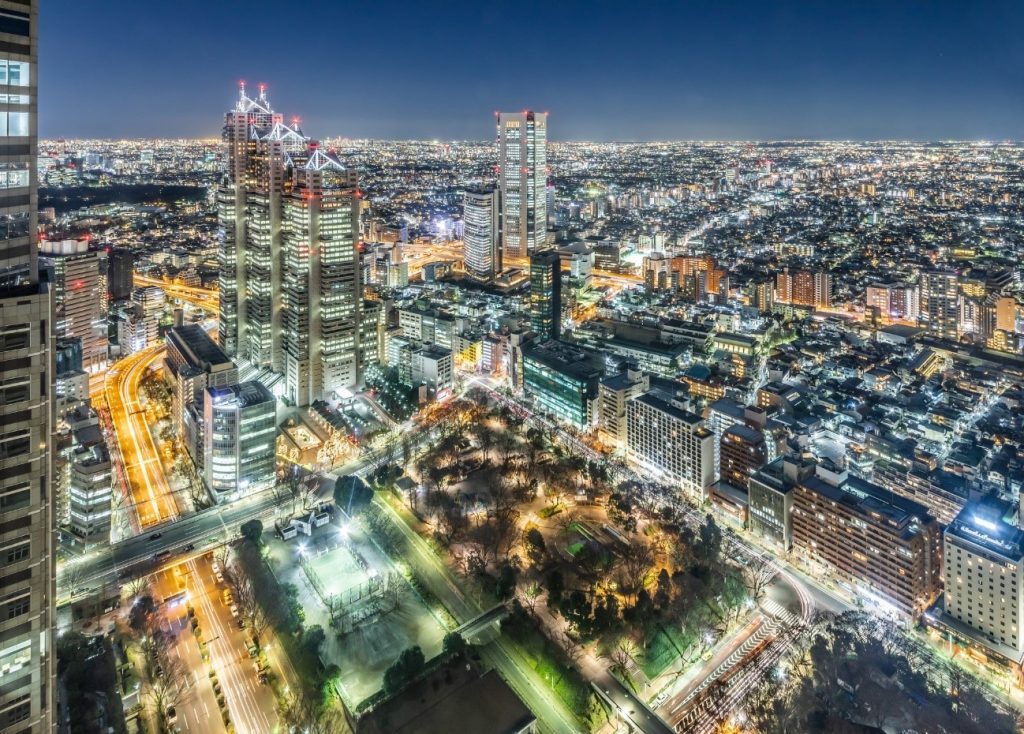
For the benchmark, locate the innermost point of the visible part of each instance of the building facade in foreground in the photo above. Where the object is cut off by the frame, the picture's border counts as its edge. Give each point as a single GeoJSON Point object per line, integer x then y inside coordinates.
{"type": "Point", "coordinates": [27, 523]}
{"type": "Point", "coordinates": [665, 438]}
{"type": "Point", "coordinates": [984, 573]}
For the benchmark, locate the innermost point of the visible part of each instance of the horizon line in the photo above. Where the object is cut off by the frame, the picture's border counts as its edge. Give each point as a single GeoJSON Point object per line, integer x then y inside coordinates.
{"type": "Point", "coordinates": [484, 141]}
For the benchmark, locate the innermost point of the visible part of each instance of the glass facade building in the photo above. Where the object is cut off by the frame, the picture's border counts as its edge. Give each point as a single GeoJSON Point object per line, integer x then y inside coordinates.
{"type": "Point", "coordinates": [240, 426]}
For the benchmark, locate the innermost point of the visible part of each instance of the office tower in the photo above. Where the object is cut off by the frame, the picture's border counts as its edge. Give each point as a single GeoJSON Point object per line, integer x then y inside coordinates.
{"type": "Point", "coordinates": [194, 363]}
{"type": "Point", "coordinates": [28, 588]}
{"type": "Point", "coordinates": [120, 271]}
{"type": "Point", "coordinates": [546, 294]}
{"type": "Point", "coordinates": [480, 213]}
{"type": "Point", "coordinates": [239, 432]}
{"type": "Point", "coordinates": [90, 490]}
{"type": "Point", "coordinates": [939, 302]}
{"type": "Point", "coordinates": [665, 440]}
{"type": "Point", "coordinates": [562, 381]}
{"type": "Point", "coordinates": [256, 140]}
{"type": "Point", "coordinates": [983, 557]}
{"type": "Point", "coordinates": [321, 279]}
{"type": "Point", "coordinates": [78, 298]}
{"type": "Point", "coordinates": [523, 163]}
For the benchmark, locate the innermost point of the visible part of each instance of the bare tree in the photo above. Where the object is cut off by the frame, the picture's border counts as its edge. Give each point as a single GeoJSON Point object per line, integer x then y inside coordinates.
{"type": "Point", "coordinates": [570, 646]}
{"type": "Point", "coordinates": [136, 587]}
{"type": "Point", "coordinates": [249, 607]}
{"type": "Point", "coordinates": [757, 577]}
{"type": "Point", "coordinates": [622, 652]}
{"type": "Point", "coordinates": [528, 596]}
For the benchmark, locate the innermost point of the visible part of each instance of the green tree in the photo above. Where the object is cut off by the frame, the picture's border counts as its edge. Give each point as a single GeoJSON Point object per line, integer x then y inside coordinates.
{"type": "Point", "coordinates": [536, 548]}
{"type": "Point", "coordinates": [454, 644]}
{"type": "Point", "coordinates": [409, 664]}
{"type": "Point", "coordinates": [252, 530]}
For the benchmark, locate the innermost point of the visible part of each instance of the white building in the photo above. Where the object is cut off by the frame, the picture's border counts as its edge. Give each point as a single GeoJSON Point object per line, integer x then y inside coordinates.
{"type": "Point", "coordinates": [433, 367]}
{"type": "Point", "coordinates": [321, 278]}
{"type": "Point", "coordinates": [239, 432]}
{"type": "Point", "coordinates": [671, 443]}
{"type": "Point", "coordinates": [983, 557]}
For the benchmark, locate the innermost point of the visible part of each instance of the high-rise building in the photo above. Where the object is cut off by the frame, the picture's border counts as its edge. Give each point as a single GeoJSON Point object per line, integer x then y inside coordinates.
{"type": "Point", "coordinates": [290, 282]}
{"type": "Point", "coordinates": [194, 362]}
{"type": "Point", "coordinates": [939, 302]}
{"type": "Point", "coordinates": [480, 212]}
{"type": "Point", "coordinates": [983, 556]}
{"type": "Point", "coordinates": [546, 294]}
{"type": "Point", "coordinates": [743, 451]}
{"type": "Point", "coordinates": [27, 522]}
{"type": "Point", "coordinates": [522, 180]}
{"type": "Point", "coordinates": [888, 547]}
{"type": "Point", "coordinates": [249, 217]}
{"type": "Point", "coordinates": [78, 298]}
{"type": "Point", "coordinates": [322, 293]}
{"type": "Point", "coordinates": [239, 434]}
{"type": "Point", "coordinates": [562, 381]}
{"type": "Point", "coordinates": [670, 441]}
{"type": "Point", "coordinates": [893, 301]}
{"type": "Point", "coordinates": [120, 273]}
{"type": "Point", "coordinates": [804, 288]}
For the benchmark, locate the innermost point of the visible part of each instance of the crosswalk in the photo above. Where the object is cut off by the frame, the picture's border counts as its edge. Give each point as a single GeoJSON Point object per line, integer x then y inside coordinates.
{"type": "Point", "coordinates": [779, 612]}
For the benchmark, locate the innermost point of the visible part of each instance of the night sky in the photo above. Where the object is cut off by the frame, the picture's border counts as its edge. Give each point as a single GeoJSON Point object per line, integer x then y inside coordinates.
{"type": "Point", "coordinates": [604, 70]}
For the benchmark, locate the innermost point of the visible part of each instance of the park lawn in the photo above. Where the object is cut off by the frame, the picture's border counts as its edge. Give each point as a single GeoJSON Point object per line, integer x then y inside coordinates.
{"type": "Point", "coordinates": [663, 650]}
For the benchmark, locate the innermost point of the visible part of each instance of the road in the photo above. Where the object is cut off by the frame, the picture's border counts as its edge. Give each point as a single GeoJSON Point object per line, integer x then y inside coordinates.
{"type": "Point", "coordinates": [551, 713]}
{"type": "Point", "coordinates": [150, 498]}
{"type": "Point", "coordinates": [206, 299]}
{"type": "Point", "coordinates": [250, 703]}
{"type": "Point", "coordinates": [197, 711]}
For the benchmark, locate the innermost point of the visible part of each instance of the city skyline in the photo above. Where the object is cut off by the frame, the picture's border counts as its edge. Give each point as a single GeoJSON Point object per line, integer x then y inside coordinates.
{"type": "Point", "coordinates": [871, 73]}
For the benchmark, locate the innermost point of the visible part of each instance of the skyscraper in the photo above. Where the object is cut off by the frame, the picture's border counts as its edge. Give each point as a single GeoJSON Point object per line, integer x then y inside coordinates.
{"type": "Point", "coordinates": [522, 180]}
{"type": "Point", "coordinates": [249, 215]}
{"type": "Point", "coordinates": [480, 212]}
{"type": "Point", "coordinates": [290, 289]}
{"type": "Point", "coordinates": [28, 588]}
{"type": "Point", "coordinates": [239, 430]}
{"type": "Point", "coordinates": [322, 292]}
{"type": "Point", "coordinates": [120, 270]}
{"type": "Point", "coordinates": [546, 294]}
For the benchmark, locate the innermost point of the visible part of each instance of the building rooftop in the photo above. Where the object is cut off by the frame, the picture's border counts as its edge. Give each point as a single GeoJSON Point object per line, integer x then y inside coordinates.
{"type": "Point", "coordinates": [565, 358]}
{"type": "Point", "coordinates": [451, 700]}
{"type": "Point", "coordinates": [243, 395]}
{"type": "Point", "coordinates": [196, 346]}
{"type": "Point", "coordinates": [983, 523]}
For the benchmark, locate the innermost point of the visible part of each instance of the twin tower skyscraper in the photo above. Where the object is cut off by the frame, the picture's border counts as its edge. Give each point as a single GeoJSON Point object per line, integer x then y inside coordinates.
{"type": "Point", "coordinates": [507, 222]}
{"type": "Point", "coordinates": [290, 293]}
